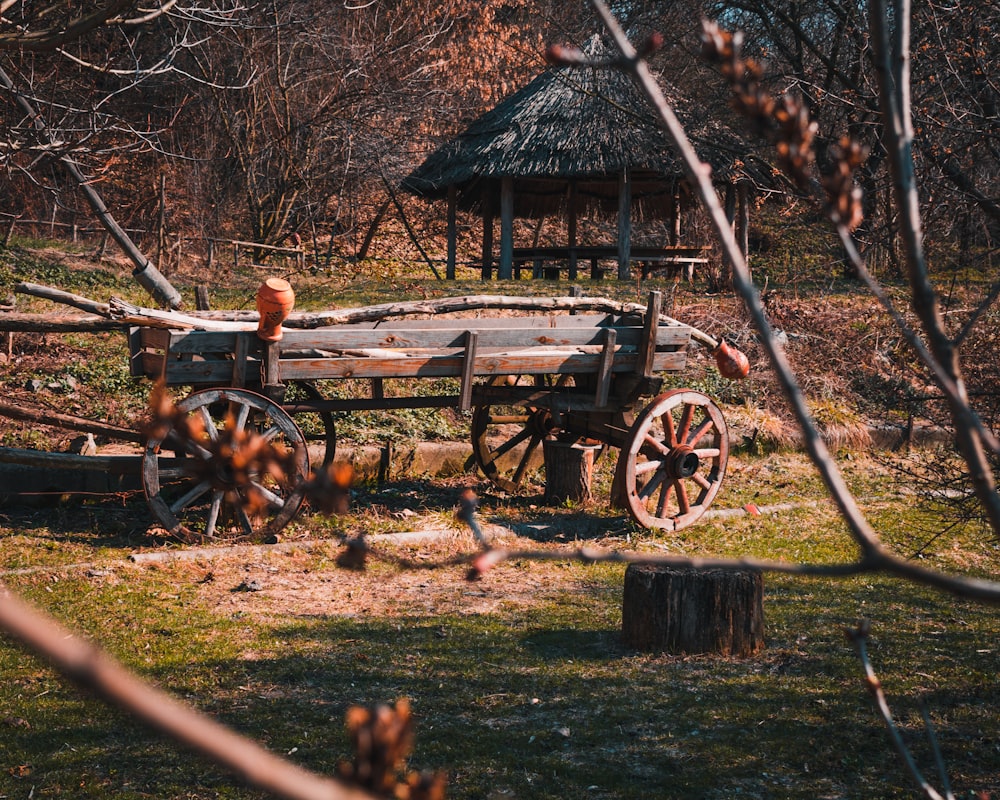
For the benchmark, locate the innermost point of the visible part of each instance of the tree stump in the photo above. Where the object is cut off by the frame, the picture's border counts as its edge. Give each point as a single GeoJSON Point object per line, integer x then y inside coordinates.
{"type": "Point", "coordinates": [569, 470]}
{"type": "Point", "coordinates": [686, 611]}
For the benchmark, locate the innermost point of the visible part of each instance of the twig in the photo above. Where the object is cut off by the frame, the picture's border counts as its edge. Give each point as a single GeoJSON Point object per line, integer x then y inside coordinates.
{"type": "Point", "coordinates": [859, 638]}
{"type": "Point", "coordinates": [89, 667]}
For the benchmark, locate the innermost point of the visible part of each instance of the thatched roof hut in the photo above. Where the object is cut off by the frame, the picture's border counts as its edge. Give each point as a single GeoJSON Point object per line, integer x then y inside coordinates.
{"type": "Point", "coordinates": [574, 139]}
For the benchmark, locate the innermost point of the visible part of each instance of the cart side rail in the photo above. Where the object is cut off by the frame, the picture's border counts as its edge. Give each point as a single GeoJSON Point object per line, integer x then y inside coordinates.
{"type": "Point", "coordinates": [462, 348]}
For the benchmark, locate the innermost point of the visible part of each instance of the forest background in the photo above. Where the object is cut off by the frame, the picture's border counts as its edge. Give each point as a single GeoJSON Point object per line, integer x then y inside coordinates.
{"type": "Point", "coordinates": [291, 118]}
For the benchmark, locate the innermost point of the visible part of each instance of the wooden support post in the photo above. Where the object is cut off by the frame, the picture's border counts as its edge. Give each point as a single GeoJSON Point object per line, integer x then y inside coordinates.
{"type": "Point", "coordinates": [487, 270]}
{"type": "Point", "coordinates": [569, 470]}
{"type": "Point", "coordinates": [650, 328]}
{"type": "Point", "coordinates": [201, 299]}
{"type": "Point", "coordinates": [449, 270]}
{"type": "Point", "coordinates": [240, 355]}
{"type": "Point", "coordinates": [468, 370]}
{"type": "Point", "coordinates": [506, 269]}
{"type": "Point", "coordinates": [685, 611]}
{"type": "Point", "coordinates": [604, 368]}
{"type": "Point", "coordinates": [571, 229]}
{"type": "Point", "coordinates": [624, 225]}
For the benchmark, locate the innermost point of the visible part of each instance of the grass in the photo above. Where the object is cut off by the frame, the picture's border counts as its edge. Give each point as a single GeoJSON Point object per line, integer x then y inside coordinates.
{"type": "Point", "coordinates": [520, 683]}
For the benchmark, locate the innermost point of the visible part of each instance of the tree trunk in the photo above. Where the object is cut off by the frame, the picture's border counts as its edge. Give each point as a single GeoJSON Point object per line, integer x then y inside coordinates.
{"type": "Point", "coordinates": [685, 611]}
{"type": "Point", "coordinates": [569, 471]}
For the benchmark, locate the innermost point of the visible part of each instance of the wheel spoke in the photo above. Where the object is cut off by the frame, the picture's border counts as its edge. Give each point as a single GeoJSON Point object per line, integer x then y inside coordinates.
{"type": "Point", "coordinates": [190, 496]}
{"type": "Point", "coordinates": [661, 506]}
{"type": "Point", "coordinates": [275, 500]}
{"type": "Point", "coordinates": [698, 432]}
{"type": "Point", "coordinates": [240, 421]}
{"type": "Point", "coordinates": [655, 444]}
{"type": "Point", "coordinates": [652, 485]}
{"type": "Point", "coordinates": [213, 514]}
{"type": "Point", "coordinates": [509, 445]}
{"type": "Point", "coordinates": [702, 481]}
{"type": "Point", "coordinates": [508, 419]}
{"type": "Point", "coordinates": [683, 503]}
{"type": "Point", "coordinates": [642, 467]}
{"type": "Point", "coordinates": [708, 453]}
{"type": "Point", "coordinates": [523, 464]}
{"type": "Point", "coordinates": [241, 514]}
{"type": "Point", "coordinates": [271, 433]}
{"type": "Point", "coordinates": [209, 423]}
{"type": "Point", "coordinates": [669, 434]}
{"type": "Point", "coordinates": [685, 424]}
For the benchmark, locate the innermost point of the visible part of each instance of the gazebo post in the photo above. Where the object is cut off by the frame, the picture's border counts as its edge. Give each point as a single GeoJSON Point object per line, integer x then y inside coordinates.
{"type": "Point", "coordinates": [487, 271]}
{"type": "Point", "coordinates": [675, 222]}
{"type": "Point", "coordinates": [624, 225]}
{"type": "Point", "coordinates": [571, 228]}
{"type": "Point", "coordinates": [452, 232]}
{"type": "Point", "coordinates": [506, 271]}
{"type": "Point", "coordinates": [743, 217]}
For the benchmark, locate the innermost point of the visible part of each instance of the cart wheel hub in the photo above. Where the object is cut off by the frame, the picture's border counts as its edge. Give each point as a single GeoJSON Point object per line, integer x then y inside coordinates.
{"type": "Point", "coordinates": [683, 462]}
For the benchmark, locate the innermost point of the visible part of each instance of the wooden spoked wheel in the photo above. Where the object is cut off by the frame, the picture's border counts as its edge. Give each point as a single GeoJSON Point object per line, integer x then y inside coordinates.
{"type": "Point", "coordinates": [240, 472]}
{"type": "Point", "coordinates": [674, 460]}
{"type": "Point", "coordinates": [507, 438]}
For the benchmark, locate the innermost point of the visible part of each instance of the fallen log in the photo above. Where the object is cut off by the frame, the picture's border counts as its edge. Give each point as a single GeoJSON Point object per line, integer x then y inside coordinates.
{"type": "Point", "coordinates": [128, 313]}
{"type": "Point", "coordinates": [47, 417]}
{"type": "Point", "coordinates": [51, 323]}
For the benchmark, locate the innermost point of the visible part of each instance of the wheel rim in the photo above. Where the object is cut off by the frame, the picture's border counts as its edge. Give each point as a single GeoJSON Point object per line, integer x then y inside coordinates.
{"type": "Point", "coordinates": [507, 439]}
{"type": "Point", "coordinates": [217, 490]}
{"type": "Point", "coordinates": [674, 460]}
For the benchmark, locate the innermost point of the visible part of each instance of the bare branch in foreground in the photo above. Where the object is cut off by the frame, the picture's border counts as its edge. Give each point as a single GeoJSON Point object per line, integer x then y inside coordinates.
{"type": "Point", "coordinates": [859, 638]}
{"type": "Point", "coordinates": [89, 667]}
{"type": "Point", "coordinates": [873, 551]}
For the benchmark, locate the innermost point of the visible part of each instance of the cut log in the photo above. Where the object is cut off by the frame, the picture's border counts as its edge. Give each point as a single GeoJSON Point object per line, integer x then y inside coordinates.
{"type": "Point", "coordinates": [569, 470]}
{"type": "Point", "coordinates": [687, 611]}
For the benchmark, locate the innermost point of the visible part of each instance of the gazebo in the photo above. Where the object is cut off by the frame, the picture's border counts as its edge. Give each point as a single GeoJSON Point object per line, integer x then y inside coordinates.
{"type": "Point", "coordinates": [578, 139]}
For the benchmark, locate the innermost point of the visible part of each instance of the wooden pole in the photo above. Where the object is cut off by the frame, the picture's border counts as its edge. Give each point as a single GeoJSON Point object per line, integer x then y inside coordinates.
{"type": "Point", "coordinates": [487, 271]}
{"type": "Point", "coordinates": [449, 271]}
{"type": "Point", "coordinates": [506, 270]}
{"type": "Point", "coordinates": [571, 229]}
{"type": "Point", "coordinates": [624, 225]}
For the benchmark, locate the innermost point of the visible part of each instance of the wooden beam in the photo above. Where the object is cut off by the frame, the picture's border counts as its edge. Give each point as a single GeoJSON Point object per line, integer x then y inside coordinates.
{"type": "Point", "coordinates": [506, 271]}
{"type": "Point", "coordinates": [487, 204]}
{"type": "Point", "coordinates": [624, 225]}
{"type": "Point", "coordinates": [571, 228]}
{"type": "Point", "coordinates": [452, 233]}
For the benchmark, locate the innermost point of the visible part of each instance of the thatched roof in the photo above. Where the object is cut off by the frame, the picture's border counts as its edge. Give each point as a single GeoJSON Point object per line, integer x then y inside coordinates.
{"type": "Point", "coordinates": [583, 124]}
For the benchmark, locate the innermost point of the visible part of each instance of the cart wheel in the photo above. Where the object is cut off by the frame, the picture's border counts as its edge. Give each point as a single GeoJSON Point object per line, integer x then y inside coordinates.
{"type": "Point", "coordinates": [221, 489]}
{"type": "Point", "coordinates": [304, 391]}
{"type": "Point", "coordinates": [507, 438]}
{"type": "Point", "coordinates": [674, 459]}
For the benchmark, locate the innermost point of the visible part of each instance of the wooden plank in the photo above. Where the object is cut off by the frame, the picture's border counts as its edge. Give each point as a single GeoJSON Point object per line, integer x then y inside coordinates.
{"type": "Point", "coordinates": [521, 321]}
{"type": "Point", "coordinates": [337, 342]}
{"type": "Point", "coordinates": [647, 348]}
{"type": "Point", "coordinates": [451, 366]}
{"type": "Point", "coordinates": [362, 338]}
{"type": "Point", "coordinates": [240, 361]}
{"type": "Point", "coordinates": [604, 368]}
{"type": "Point", "coordinates": [468, 370]}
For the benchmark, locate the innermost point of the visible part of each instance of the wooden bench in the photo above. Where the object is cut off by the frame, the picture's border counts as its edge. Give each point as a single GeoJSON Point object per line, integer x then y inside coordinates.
{"type": "Point", "coordinates": [548, 261]}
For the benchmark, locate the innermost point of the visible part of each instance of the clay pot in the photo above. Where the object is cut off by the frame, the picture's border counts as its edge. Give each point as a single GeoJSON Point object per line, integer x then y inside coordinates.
{"type": "Point", "coordinates": [275, 300]}
{"type": "Point", "coordinates": [732, 363]}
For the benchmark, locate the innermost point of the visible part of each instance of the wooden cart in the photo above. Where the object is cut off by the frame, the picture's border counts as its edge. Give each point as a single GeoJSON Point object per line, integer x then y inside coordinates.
{"type": "Point", "coordinates": [524, 378]}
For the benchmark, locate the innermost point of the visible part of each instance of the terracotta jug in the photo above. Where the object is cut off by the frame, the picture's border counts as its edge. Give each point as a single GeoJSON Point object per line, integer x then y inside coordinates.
{"type": "Point", "coordinates": [275, 300]}
{"type": "Point", "coordinates": [732, 363]}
